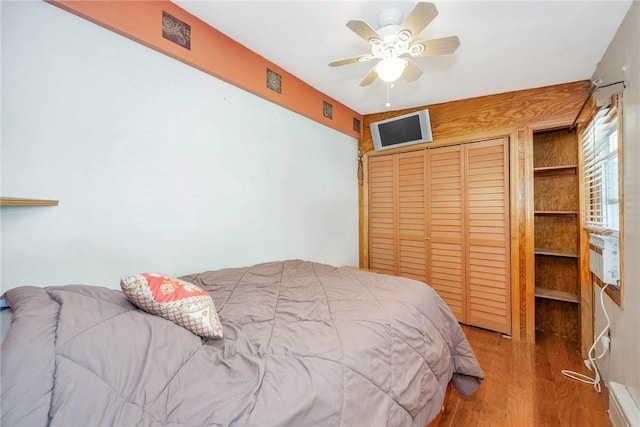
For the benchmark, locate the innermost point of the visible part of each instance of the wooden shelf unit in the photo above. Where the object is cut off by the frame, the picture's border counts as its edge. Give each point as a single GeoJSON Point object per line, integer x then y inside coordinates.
{"type": "Point", "coordinates": [556, 232]}
{"type": "Point", "coordinates": [16, 201]}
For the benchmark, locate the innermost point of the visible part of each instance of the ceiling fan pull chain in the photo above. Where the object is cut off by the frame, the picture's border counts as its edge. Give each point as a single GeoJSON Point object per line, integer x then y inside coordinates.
{"type": "Point", "coordinates": [388, 104]}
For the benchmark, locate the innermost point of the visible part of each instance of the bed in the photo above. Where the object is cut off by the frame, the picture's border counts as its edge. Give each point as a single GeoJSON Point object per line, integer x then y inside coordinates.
{"type": "Point", "coordinates": [305, 344]}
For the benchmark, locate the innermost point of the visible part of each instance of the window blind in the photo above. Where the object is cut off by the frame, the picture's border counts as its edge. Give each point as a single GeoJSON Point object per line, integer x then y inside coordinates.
{"type": "Point", "coordinates": [600, 160]}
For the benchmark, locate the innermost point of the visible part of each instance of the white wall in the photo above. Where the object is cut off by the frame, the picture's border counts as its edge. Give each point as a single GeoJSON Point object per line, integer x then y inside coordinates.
{"type": "Point", "coordinates": [157, 166]}
{"type": "Point", "coordinates": [622, 365]}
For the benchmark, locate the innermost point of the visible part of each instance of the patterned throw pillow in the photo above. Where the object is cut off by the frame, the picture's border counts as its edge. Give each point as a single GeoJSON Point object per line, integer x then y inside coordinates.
{"type": "Point", "coordinates": [183, 303]}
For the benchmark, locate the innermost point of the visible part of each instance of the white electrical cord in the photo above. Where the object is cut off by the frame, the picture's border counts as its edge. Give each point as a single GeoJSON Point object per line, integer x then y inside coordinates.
{"type": "Point", "coordinates": [590, 362]}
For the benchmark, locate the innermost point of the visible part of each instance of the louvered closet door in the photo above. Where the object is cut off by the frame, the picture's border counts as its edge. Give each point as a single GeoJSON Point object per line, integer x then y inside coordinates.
{"type": "Point", "coordinates": [396, 215]}
{"type": "Point", "coordinates": [445, 226]}
{"type": "Point", "coordinates": [488, 237]}
{"type": "Point", "coordinates": [442, 216]}
{"type": "Point", "coordinates": [382, 223]}
{"type": "Point", "coordinates": [410, 189]}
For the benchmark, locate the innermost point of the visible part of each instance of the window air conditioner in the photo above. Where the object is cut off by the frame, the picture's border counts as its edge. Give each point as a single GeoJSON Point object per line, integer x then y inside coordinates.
{"type": "Point", "coordinates": [604, 258]}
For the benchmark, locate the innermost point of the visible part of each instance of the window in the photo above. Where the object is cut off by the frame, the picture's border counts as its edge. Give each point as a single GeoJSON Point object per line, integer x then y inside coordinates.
{"type": "Point", "coordinates": [600, 156]}
{"type": "Point", "coordinates": [601, 152]}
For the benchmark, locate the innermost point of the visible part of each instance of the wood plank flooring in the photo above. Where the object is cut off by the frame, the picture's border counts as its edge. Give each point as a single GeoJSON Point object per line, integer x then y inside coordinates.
{"type": "Point", "coordinates": [523, 386]}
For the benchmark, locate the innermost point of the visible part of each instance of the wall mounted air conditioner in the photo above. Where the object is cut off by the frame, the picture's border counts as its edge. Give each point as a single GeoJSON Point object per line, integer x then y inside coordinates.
{"type": "Point", "coordinates": [604, 258]}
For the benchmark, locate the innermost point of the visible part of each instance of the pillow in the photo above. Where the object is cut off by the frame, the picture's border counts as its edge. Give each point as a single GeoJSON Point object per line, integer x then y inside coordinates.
{"type": "Point", "coordinates": [183, 303]}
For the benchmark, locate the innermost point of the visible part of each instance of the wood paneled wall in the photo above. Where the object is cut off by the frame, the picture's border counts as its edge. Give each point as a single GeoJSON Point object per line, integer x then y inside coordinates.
{"type": "Point", "coordinates": [511, 114]}
{"type": "Point", "coordinates": [486, 114]}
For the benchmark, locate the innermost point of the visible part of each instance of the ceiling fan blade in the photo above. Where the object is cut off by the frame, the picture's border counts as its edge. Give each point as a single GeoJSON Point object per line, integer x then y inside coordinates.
{"type": "Point", "coordinates": [441, 46]}
{"type": "Point", "coordinates": [363, 29]}
{"type": "Point", "coordinates": [412, 72]}
{"type": "Point", "coordinates": [369, 78]}
{"type": "Point", "coordinates": [420, 17]}
{"type": "Point", "coordinates": [350, 60]}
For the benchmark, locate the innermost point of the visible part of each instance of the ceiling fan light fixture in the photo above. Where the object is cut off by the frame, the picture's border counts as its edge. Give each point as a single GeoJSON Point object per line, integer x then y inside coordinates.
{"type": "Point", "coordinates": [390, 69]}
{"type": "Point", "coordinates": [393, 46]}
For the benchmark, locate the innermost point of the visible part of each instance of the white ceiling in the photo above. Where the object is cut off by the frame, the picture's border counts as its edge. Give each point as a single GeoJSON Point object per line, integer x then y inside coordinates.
{"type": "Point", "coordinates": [504, 45]}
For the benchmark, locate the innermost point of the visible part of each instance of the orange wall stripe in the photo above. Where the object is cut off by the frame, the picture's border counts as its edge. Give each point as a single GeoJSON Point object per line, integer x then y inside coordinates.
{"type": "Point", "coordinates": [213, 53]}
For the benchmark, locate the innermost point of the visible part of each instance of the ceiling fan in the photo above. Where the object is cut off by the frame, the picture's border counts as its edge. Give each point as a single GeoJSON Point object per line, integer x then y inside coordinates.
{"type": "Point", "coordinates": [393, 44]}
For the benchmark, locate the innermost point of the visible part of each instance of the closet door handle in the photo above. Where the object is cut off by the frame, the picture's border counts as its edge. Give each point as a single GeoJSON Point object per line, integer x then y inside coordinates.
{"type": "Point", "coordinates": [427, 238]}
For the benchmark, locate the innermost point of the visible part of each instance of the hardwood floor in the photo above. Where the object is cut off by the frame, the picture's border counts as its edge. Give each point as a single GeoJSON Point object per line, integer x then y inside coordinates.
{"type": "Point", "coordinates": [523, 386]}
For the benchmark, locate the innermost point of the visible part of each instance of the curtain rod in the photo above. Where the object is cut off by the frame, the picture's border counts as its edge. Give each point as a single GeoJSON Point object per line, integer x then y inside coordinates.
{"type": "Point", "coordinates": [594, 87]}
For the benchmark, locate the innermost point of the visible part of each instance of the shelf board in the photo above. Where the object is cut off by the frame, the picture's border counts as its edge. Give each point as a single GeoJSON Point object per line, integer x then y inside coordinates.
{"type": "Point", "coordinates": [555, 252]}
{"type": "Point", "coordinates": [16, 201]}
{"type": "Point", "coordinates": [555, 170]}
{"type": "Point", "coordinates": [555, 212]}
{"type": "Point", "coordinates": [556, 295]}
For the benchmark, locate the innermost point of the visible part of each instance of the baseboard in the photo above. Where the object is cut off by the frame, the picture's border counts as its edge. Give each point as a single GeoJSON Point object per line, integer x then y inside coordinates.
{"type": "Point", "coordinates": [623, 410]}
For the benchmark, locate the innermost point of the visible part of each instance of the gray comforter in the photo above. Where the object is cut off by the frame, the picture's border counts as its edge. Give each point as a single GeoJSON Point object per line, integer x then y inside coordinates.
{"type": "Point", "coordinates": [305, 344]}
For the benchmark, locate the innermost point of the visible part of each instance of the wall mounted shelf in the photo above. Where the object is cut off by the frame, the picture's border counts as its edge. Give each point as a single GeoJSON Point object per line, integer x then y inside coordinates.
{"type": "Point", "coordinates": [555, 213]}
{"type": "Point", "coordinates": [555, 252]}
{"type": "Point", "coordinates": [555, 170]}
{"type": "Point", "coordinates": [556, 295]}
{"type": "Point", "coordinates": [16, 201]}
